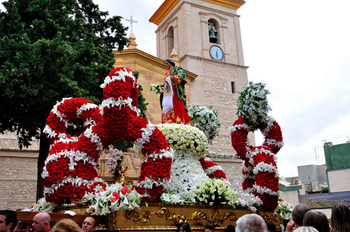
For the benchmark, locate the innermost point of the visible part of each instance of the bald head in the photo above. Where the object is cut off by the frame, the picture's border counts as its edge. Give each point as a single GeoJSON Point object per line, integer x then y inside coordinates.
{"type": "Point", "coordinates": [41, 222]}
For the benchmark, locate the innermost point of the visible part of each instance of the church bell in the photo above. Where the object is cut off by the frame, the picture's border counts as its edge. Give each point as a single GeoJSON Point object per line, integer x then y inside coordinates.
{"type": "Point", "coordinates": [212, 36]}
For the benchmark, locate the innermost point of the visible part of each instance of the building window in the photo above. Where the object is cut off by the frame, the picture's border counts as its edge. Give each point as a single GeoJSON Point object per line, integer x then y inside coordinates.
{"type": "Point", "coordinates": [170, 40]}
{"type": "Point", "coordinates": [213, 31]}
{"type": "Point", "coordinates": [233, 87]}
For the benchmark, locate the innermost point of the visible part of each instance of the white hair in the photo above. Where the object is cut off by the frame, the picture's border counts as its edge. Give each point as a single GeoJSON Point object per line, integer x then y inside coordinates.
{"type": "Point", "coordinates": [251, 223]}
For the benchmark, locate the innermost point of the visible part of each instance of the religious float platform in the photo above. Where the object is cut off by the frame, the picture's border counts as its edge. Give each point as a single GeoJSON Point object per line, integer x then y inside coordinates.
{"type": "Point", "coordinates": [175, 169]}
{"type": "Point", "coordinates": [160, 217]}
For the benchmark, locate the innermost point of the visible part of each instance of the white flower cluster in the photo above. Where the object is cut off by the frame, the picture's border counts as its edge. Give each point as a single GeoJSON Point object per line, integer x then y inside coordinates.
{"type": "Point", "coordinates": [245, 199]}
{"type": "Point", "coordinates": [215, 192]}
{"type": "Point", "coordinates": [114, 158]}
{"type": "Point", "coordinates": [206, 120]}
{"type": "Point", "coordinates": [158, 88]}
{"type": "Point", "coordinates": [213, 154]}
{"type": "Point", "coordinates": [284, 209]}
{"type": "Point", "coordinates": [186, 172]}
{"type": "Point", "coordinates": [185, 137]}
{"type": "Point", "coordinates": [114, 197]}
{"type": "Point", "coordinates": [252, 104]}
{"type": "Point", "coordinates": [43, 206]}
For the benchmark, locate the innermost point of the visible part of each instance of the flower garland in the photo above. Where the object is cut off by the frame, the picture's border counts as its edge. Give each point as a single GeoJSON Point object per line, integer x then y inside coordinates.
{"type": "Point", "coordinates": [206, 120]}
{"type": "Point", "coordinates": [252, 104]}
{"type": "Point", "coordinates": [42, 206]}
{"type": "Point", "coordinates": [115, 157]}
{"type": "Point", "coordinates": [185, 137]}
{"type": "Point", "coordinates": [114, 197]}
{"type": "Point", "coordinates": [259, 168]}
{"type": "Point", "coordinates": [215, 192]}
{"type": "Point", "coordinates": [70, 169]}
{"type": "Point", "coordinates": [158, 88]}
{"type": "Point", "coordinates": [284, 209]}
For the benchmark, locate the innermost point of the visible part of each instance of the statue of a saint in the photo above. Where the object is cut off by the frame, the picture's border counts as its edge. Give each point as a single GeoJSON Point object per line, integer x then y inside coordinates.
{"type": "Point", "coordinates": [174, 105]}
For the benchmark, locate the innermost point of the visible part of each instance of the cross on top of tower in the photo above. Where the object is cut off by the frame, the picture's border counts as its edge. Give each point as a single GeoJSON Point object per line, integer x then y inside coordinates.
{"type": "Point", "coordinates": [131, 22]}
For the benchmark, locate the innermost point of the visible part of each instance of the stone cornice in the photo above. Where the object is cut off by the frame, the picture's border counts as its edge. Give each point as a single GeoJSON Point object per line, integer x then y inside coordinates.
{"type": "Point", "coordinates": [147, 59]}
{"type": "Point", "coordinates": [212, 61]}
{"type": "Point", "coordinates": [163, 11]}
{"type": "Point", "coordinates": [168, 5]}
{"type": "Point", "coordinates": [233, 4]}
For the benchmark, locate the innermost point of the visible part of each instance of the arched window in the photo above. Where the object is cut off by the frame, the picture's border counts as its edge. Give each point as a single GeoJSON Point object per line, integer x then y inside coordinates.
{"type": "Point", "coordinates": [170, 40]}
{"type": "Point", "coordinates": [213, 31]}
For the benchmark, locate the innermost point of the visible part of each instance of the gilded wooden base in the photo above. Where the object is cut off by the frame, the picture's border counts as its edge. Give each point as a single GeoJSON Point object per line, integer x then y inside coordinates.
{"type": "Point", "coordinates": [166, 217]}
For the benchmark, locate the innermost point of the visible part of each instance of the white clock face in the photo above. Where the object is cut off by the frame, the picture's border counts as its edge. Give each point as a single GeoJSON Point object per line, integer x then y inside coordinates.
{"type": "Point", "coordinates": [216, 52]}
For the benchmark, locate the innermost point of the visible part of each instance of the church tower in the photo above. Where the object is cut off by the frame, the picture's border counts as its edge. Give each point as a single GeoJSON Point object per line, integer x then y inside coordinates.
{"type": "Point", "coordinates": [206, 34]}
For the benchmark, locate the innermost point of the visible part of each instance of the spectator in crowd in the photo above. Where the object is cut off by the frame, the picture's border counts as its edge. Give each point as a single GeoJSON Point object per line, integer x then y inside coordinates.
{"type": "Point", "coordinates": [297, 217]}
{"type": "Point", "coordinates": [89, 224]}
{"type": "Point", "coordinates": [251, 223]}
{"type": "Point", "coordinates": [66, 225]}
{"type": "Point", "coordinates": [316, 219]}
{"type": "Point", "coordinates": [209, 227]}
{"type": "Point", "coordinates": [184, 227]}
{"type": "Point", "coordinates": [230, 228]}
{"type": "Point", "coordinates": [340, 218]}
{"type": "Point", "coordinates": [21, 226]}
{"type": "Point", "coordinates": [41, 222]}
{"type": "Point", "coordinates": [305, 229]}
{"type": "Point", "coordinates": [271, 227]}
{"type": "Point", "coordinates": [8, 220]}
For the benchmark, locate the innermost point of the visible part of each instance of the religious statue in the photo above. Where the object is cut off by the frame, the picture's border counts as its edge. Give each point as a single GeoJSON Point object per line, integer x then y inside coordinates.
{"type": "Point", "coordinates": [174, 105]}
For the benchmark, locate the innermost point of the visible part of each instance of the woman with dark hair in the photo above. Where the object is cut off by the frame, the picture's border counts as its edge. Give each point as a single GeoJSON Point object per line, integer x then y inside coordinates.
{"type": "Point", "coordinates": [297, 217]}
{"type": "Point", "coordinates": [316, 219]}
{"type": "Point", "coordinates": [340, 219]}
{"type": "Point", "coordinates": [209, 227]}
{"type": "Point", "coordinates": [184, 227]}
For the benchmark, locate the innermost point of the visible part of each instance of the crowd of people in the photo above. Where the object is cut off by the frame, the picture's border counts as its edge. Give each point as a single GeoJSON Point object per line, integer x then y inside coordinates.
{"type": "Point", "coordinates": [303, 220]}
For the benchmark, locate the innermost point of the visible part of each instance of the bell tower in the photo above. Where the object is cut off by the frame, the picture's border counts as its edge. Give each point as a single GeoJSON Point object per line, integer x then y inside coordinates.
{"type": "Point", "coordinates": [206, 34]}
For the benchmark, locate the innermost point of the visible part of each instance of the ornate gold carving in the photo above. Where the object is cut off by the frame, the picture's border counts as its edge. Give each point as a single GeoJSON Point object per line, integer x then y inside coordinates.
{"type": "Point", "coordinates": [135, 216]}
{"type": "Point", "coordinates": [269, 218]}
{"type": "Point", "coordinates": [165, 212]}
{"type": "Point", "coordinates": [215, 217]}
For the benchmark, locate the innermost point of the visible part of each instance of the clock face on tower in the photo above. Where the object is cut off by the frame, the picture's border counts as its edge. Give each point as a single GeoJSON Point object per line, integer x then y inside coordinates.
{"type": "Point", "coordinates": [216, 52]}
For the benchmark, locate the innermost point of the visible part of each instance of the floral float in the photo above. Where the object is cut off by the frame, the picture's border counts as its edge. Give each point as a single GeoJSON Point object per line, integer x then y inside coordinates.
{"type": "Point", "coordinates": [206, 120]}
{"type": "Point", "coordinates": [70, 169]}
{"type": "Point", "coordinates": [259, 168]}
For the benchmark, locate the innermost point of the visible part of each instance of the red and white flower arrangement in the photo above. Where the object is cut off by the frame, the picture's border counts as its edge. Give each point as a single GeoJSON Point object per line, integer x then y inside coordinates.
{"type": "Point", "coordinates": [70, 169]}
{"type": "Point", "coordinates": [259, 168]}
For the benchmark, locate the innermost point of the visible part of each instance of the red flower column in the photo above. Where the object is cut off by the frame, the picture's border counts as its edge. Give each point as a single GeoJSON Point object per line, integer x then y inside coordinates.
{"type": "Point", "coordinates": [70, 169]}
{"type": "Point", "coordinates": [260, 169]}
{"type": "Point", "coordinates": [70, 172]}
{"type": "Point", "coordinates": [120, 114]}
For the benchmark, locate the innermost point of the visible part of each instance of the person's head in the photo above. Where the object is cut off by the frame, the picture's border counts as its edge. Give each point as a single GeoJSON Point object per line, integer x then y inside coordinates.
{"type": "Point", "coordinates": [8, 220]}
{"type": "Point", "coordinates": [66, 225]}
{"type": "Point", "coordinates": [230, 228]}
{"type": "Point", "coordinates": [316, 219]}
{"type": "Point", "coordinates": [305, 229]}
{"type": "Point", "coordinates": [298, 214]}
{"type": "Point", "coordinates": [209, 227]}
{"type": "Point", "coordinates": [21, 226]}
{"type": "Point", "coordinates": [340, 221]}
{"type": "Point", "coordinates": [184, 227]}
{"type": "Point", "coordinates": [169, 63]}
{"type": "Point", "coordinates": [89, 224]}
{"type": "Point", "coordinates": [271, 227]}
{"type": "Point", "coordinates": [251, 223]}
{"type": "Point", "coordinates": [41, 222]}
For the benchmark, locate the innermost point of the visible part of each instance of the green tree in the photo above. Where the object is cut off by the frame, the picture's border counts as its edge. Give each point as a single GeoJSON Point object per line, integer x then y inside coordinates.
{"type": "Point", "coordinates": [50, 49]}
